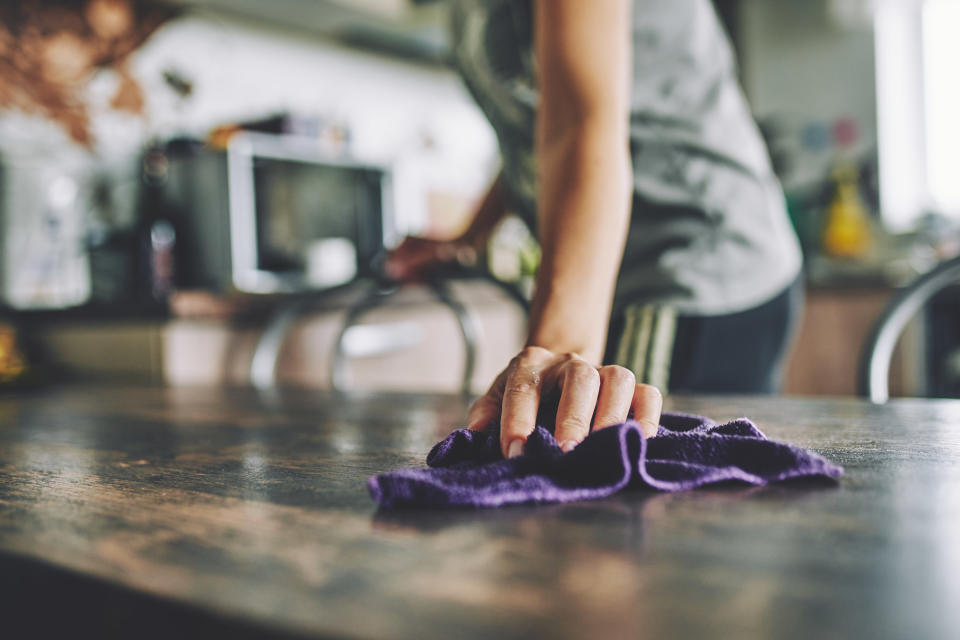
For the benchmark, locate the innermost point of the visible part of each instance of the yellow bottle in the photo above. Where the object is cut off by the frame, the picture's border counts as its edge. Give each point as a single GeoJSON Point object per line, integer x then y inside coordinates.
{"type": "Point", "coordinates": [847, 232]}
{"type": "Point", "coordinates": [12, 365]}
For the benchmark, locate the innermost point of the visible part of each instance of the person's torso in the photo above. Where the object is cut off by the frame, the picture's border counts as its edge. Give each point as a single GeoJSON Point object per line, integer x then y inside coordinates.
{"type": "Point", "coordinates": [709, 232]}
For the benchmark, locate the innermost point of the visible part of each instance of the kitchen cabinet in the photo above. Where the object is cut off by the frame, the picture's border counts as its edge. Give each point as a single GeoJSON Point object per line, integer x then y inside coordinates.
{"type": "Point", "coordinates": [410, 343]}
{"type": "Point", "coordinates": [414, 344]}
{"type": "Point", "coordinates": [826, 351]}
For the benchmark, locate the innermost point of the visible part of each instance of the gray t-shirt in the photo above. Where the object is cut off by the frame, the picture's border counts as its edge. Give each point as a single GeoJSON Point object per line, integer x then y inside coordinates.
{"type": "Point", "coordinates": [709, 233]}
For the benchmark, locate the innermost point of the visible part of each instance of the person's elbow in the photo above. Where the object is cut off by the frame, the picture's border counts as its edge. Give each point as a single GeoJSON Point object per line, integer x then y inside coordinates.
{"type": "Point", "coordinates": [568, 119]}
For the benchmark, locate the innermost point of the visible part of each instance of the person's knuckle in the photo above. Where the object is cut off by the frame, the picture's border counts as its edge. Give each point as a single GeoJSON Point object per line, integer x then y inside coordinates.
{"type": "Point", "coordinates": [617, 375]}
{"type": "Point", "coordinates": [582, 374]}
{"type": "Point", "coordinates": [521, 388]}
{"type": "Point", "coordinates": [523, 373]}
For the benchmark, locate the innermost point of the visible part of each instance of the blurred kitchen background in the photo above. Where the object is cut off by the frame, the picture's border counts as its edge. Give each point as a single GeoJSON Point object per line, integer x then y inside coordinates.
{"type": "Point", "coordinates": [201, 192]}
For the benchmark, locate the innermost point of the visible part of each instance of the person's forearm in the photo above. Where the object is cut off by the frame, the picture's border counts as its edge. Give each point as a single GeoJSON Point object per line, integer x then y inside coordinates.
{"type": "Point", "coordinates": [584, 207]}
{"type": "Point", "coordinates": [581, 148]}
{"type": "Point", "coordinates": [491, 211]}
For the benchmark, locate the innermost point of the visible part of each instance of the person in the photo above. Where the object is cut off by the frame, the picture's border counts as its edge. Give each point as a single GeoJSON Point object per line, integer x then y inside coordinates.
{"type": "Point", "coordinates": [667, 252]}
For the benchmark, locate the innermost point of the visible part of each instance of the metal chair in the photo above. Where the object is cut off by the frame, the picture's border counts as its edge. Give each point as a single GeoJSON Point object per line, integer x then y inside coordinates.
{"type": "Point", "coordinates": [376, 297]}
{"type": "Point", "coordinates": [874, 368]}
{"type": "Point", "coordinates": [263, 366]}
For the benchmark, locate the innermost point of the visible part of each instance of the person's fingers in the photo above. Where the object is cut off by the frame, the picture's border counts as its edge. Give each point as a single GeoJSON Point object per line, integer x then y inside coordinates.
{"type": "Point", "coordinates": [617, 386]}
{"type": "Point", "coordinates": [486, 410]}
{"type": "Point", "coordinates": [579, 384]}
{"type": "Point", "coordinates": [399, 261]}
{"type": "Point", "coordinates": [521, 399]}
{"type": "Point", "coordinates": [483, 413]}
{"type": "Point", "coordinates": [647, 404]}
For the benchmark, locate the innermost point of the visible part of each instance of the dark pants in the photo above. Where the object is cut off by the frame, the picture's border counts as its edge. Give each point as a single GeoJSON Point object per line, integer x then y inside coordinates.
{"type": "Point", "coordinates": [742, 352]}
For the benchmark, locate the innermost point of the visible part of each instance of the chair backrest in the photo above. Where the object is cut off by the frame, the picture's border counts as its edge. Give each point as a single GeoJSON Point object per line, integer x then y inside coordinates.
{"type": "Point", "coordinates": [874, 369]}
{"type": "Point", "coordinates": [425, 329]}
{"type": "Point", "coordinates": [378, 296]}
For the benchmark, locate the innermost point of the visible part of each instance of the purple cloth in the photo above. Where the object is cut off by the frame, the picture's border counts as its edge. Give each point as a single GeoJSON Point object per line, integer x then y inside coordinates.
{"type": "Point", "coordinates": [468, 470]}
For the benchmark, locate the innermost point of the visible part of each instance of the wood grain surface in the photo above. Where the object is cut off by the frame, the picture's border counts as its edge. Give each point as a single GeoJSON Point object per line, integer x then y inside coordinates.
{"type": "Point", "coordinates": [169, 513]}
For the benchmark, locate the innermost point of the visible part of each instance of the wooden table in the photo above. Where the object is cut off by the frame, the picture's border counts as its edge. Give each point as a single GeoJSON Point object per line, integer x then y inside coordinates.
{"type": "Point", "coordinates": [160, 513]}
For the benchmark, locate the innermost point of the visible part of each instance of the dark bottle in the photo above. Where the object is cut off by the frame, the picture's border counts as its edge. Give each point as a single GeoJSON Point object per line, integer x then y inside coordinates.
{"type": "Point", "coordinates": [156, 232]}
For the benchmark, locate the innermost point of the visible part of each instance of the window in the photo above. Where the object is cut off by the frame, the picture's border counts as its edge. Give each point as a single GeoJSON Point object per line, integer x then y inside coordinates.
{"type": "Point", "coordinates": [941, 55]}
{"type": "Point", "coordinates": [918, 100]}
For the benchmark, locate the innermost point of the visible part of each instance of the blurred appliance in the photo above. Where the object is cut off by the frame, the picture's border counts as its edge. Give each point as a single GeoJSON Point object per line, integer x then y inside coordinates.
{"type": "Point", "coordinates": [273, 213]}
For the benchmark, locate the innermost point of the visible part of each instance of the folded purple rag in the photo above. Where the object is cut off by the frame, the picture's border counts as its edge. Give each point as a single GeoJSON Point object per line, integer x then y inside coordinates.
{"type": "Point", "coordinates": [468, 470]}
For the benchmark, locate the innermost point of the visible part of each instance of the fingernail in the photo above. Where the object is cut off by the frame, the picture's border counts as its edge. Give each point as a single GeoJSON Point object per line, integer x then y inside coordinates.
{"type": "Point", "coordinates": [568, 445]}
{"type": "Point", "coordinates": [515, 448]}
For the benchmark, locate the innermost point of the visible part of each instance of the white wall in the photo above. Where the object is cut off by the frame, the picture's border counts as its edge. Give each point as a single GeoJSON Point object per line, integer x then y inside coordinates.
{"type": "Point", "coordinates": [803, 66]}
{"type": "Point", "coordinates": [416, 117]}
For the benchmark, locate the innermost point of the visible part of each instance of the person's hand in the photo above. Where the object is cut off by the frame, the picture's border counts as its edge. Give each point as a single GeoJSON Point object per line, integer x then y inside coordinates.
{"type": "Point", "coordinates": [418, 258]}
{"type": "Point", "coordinates": [564, 389]}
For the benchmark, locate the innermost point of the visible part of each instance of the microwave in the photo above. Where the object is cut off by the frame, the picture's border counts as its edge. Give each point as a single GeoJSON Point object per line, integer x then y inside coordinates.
{"type": "Point", "coordinates": [274, 214]}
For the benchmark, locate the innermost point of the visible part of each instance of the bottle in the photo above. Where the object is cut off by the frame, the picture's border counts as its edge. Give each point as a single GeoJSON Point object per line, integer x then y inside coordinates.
{"type": "Point", "coordinates": [13, 366]}
{"type": "Point", "coordinates": [847, 231]}
{"type": "Point", "coordinates": [156, 233]}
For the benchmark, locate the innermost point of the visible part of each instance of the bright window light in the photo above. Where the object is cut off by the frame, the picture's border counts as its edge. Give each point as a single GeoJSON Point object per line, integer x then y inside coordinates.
{"type": "Point", "coordinates": [900, 114]}
{"type": "Point", "coordinates": [941, 56]}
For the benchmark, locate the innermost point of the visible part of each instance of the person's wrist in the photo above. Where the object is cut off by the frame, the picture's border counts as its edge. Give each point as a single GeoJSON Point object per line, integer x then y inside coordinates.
{"type": "Point", "coordinates": [460, 251]}
{"type": "Point", "coordinates": [584, 352]}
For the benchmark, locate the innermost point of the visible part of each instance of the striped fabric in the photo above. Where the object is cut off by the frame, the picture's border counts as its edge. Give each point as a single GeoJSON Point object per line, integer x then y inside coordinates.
{"type": "Point", "coordinates": [645, 345]}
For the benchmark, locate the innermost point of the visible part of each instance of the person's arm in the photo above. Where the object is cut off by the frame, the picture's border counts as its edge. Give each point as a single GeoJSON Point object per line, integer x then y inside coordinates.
{"type": "Point", "coordinates": [583, 57]}
{"type": "Point", "coordinates": [491, 211]}
{"type": "Point", "coordinates": [418, 257]}
{"type": "Point", "coordinates": [583, 52]}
